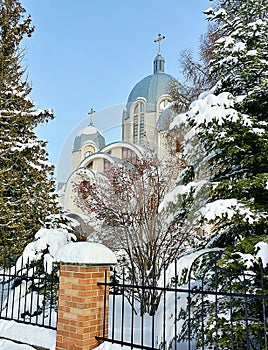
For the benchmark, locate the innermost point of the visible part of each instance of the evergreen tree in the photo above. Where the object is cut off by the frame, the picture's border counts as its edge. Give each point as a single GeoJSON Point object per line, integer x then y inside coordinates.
{"type": "Point", "coordinates": [26, 185]}
{"type": "Point", "coordinates": [241, 160]}
{"type": "Point", "coordinates": [222, 195]}
{"type": "Point", "coordinates": [227, 129]}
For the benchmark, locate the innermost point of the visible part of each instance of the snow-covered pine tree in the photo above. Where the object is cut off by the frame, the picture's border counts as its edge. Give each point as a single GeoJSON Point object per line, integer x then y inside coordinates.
{"type": "Point", "coordinates": [26, 185]}
{"type": "Point", "coordinates": [226, 146]}
{"type": "Point", "coordinates": [222, 195]}
{"type": "Point", "coordinates": [240, 161]}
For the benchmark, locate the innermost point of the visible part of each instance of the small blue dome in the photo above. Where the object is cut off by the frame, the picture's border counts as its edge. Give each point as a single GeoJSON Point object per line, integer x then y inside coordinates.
{"type": "Point", "coordinates": [90, 133]}
{"type": "Point", "coordinates": [151, 88]}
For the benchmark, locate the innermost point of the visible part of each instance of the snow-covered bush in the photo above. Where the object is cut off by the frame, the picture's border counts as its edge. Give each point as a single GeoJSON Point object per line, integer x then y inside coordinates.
{"type": "Point", "coordinates": [220, 299]}
{"type": "Point", "coordinates": [29, 288]}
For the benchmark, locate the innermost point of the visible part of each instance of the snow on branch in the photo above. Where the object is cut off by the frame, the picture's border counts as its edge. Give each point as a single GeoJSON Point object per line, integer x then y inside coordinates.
{"type": "Point", "coordinates": [45, 239]}
{"type": "Point", "coordinates": [228, 208]}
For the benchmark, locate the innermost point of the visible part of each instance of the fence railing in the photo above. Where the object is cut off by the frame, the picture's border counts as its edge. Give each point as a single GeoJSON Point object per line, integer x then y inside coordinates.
{"type": "Point", "coordinates": [214, 303]}
{"type": "Point", "coordinates": [27, 293]}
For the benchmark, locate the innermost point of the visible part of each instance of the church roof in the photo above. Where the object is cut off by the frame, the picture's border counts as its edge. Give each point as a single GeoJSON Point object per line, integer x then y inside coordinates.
{"type": "Point", "coordinates": [88, 130]}
{"type": "Point", "coordinates": [89, 133]}
{"type": "Point", "coordinates": [151, 88]}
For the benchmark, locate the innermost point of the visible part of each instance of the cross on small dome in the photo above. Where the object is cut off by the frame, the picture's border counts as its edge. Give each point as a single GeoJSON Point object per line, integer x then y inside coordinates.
{"type": "Point", "coordinates": [158, 40]}
{"type": "Point", "coordinates": [90, 113]}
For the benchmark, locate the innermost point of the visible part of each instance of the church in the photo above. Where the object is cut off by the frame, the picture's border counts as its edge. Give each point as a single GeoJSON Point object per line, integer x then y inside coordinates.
{"type": "Point", "coordinates": [145, 118]}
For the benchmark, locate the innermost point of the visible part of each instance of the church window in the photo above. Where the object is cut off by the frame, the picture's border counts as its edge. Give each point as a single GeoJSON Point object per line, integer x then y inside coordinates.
{"type": "Point", "coordinates": [163, 104]}
{"type": "Point", "coordinates": [106, 165]}
{"type": "Point", "coordinates": [90, 165]}
{"type": "Point", "coordinates": [88, 150]}
{"type": "Point", "coordinates": [128, 154]}
{"type": "Point", "coordinates": [135, 128]}
{"type": "Point", "coordinates": [138, 123]}
{"type": "Point", "coordinates": [136, 110]}
{"type": "Point", "coordinates": [142, 128]}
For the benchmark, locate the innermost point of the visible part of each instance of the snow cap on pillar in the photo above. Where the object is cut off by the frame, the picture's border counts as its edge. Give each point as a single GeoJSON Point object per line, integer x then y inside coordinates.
{"type": "Point", "coordinates": [86, 253]}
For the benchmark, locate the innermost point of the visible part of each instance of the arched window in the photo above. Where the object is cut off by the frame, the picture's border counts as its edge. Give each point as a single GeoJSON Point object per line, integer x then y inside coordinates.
{"type": "Point", "coordinates": [128, 154]}
{"type": "Point", "coordinates": [163, 104]}
{"type": "Point", "coordinates": [88, 150]}
{"type": "Point", "coordinates": [106, 165]}
{"type": "Point", "coordinates": [90, 165]}
{"type": "Point", "coordinates": [138, 123]}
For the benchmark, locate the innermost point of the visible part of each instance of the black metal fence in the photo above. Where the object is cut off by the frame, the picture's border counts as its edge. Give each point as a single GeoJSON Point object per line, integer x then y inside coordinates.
{"type": "Point", "coordinates": [28, 294]}
{"type": "Point", "coordinates": [214, 302]}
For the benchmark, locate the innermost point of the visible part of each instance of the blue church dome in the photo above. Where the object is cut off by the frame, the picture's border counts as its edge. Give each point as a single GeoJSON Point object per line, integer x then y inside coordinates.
{"type": "Point", "coordinates": [90, 133]}
{"type": "Point", "coordinates": [151, 87]}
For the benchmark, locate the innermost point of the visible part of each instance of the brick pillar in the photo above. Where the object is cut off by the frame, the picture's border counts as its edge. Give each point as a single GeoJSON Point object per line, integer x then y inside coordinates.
{"type": "Point", "coordinates": [81, 306]}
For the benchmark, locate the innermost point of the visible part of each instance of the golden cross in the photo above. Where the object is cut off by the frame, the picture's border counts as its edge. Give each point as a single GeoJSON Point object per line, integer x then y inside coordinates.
{"type": "Point", "coordinates": [158, 40]}
{"type": "Point", "coordinates": [91, 116]}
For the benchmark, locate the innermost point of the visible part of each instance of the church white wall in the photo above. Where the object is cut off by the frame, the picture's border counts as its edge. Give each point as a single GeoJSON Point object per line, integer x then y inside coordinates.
{"type": "Point", "coordinates": [76, 160]}
{"type": "Point", "coordinates": [116, 152]}
{"type": "Point", "coordinates": [162, 146]}
{"type": "Point", "coordinates": [71, 192]}
{"type": "Point", "coordinates": [127, 130]}
{"type": "Point", "coordinates": [150, 130]}
{"type": "Point", "coordinates": [98, 165]}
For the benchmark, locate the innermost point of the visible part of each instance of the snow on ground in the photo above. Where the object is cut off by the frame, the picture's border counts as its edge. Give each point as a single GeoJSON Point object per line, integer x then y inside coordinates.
{"type": "Point", "coordinates": [27, 334]}
{"type": "Point", "coordinates": [110, 346]}
{"type": "Point", "coordinates": [10, 345]}
{"type": "Point", "coordinates": [38, 336]}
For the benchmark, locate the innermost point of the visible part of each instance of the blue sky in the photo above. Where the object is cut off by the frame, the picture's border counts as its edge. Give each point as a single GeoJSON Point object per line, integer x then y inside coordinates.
{"type": "Point", "coordinates": [87, 53]}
